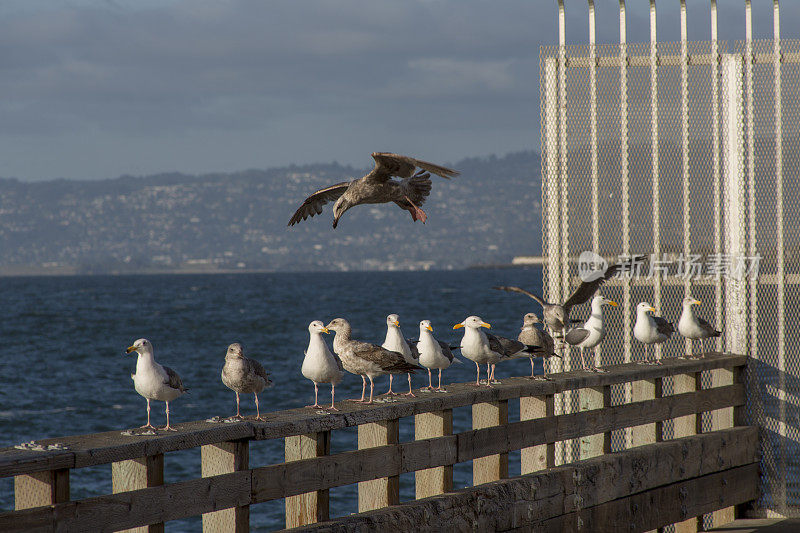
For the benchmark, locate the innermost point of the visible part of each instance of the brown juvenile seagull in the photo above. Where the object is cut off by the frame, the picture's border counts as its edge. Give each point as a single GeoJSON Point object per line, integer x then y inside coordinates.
{"type": "Point", "coordinates": [244, 375]}
{"type": "Point", "coordinates": [378, 187]}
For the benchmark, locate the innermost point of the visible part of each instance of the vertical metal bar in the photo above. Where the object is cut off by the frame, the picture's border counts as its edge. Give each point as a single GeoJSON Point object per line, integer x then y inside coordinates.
{"type": "Point", "coordinates": [687, 238]}
{"type": "Point", "coordinates": [593, 141]}
{"type": "Point", "coordinates": [552, 179]}
{"type": "Point", "coordinates": [716, 162]}
{"type": "Point", "coordinates": [623, 130]}
{"type": "Point", "coordinates": [654, 135]}
{"type": "Point", "coordinates": [781, 268]}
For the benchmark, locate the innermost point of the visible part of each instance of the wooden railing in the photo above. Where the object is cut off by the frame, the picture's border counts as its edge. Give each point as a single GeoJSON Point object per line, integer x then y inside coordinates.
{"type": "Point", "coordinates": [229, 484]}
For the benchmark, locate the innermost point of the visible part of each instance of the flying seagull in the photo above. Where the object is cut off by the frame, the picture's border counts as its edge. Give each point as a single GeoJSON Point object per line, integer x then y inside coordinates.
{"type": "Point", "coordinates": [556, 316]}
{"type": "Point", "coordinates": [378, 187]}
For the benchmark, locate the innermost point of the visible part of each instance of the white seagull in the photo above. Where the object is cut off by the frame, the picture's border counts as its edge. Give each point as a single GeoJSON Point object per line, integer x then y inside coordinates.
{"type": "Point", "coordinates": [693, 327]}
{"type": "Point", "coordinates": [153, 381]}
{"type": "Point", "coordinates": [650, 329]}
{"type": "Point", "coordinates": [592, 332]}
{"type": "Point", "coordinates": [319, 364]}
{"type": "Point", "coordinates": [395, 342]}
{"type": "Point", "coordinates": [433, 353]}
{"type": "Point", "coordinates": [244, 375]}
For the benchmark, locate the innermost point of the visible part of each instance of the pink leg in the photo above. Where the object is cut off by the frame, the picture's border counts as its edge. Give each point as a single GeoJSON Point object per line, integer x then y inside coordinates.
{"type": "Point", "coordinates": [371, 389]}
{"type": "Point", "coordinates": [363, 389]}
{"type": "Point", "coordinates": [478, 377]}
{"type": "Point", "coordinates": [258, 413]}
{"type": "Point", "coordinates": [333, 392]}
{"type": "Point", "coordinates": [440, 380]}
{"type": "Point", "coordinates": [390, 393]}
{"type": "Point", "coordinates": [168, 427]}
{"type": "Point", "coordinates": [316, 396]}
{"type": "Point", "coordinates": [416, 212]}
{"type": "Point", "coordinates": [409, 393]}
{"type": "Point", "coordinates": [148, 425]}
{"type": "Point", "coordinates": [430, 380]}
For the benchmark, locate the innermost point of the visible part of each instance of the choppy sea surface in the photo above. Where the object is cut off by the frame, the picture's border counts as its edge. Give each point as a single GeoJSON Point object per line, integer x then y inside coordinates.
{"type": "Point", "coordinates": [63, 368]}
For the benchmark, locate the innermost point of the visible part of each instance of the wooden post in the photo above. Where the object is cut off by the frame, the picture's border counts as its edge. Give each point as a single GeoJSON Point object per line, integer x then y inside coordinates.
{"type": "Point", "coordinates": [41, 488]}
{"type": "Point", "coordinates": [684, 427]}
{"type": "Point", "coordinates": [542, 456]}
{"type": "Point", "coordinates": [223, 458]}
{"type": "Point", "coordinates": [433, 481]}
{"type": "Point", "coordinates": [383, 492]}
{"type": "Point", "coordinates": [492, 467]}
{"type": "Point", "coordinates": [646, 389]}
{"type": "Point", "coordinates": [724, 419]}
{"type": "Point", "coordinates": [310, 507]}
{"type": "Point", "coordinates": [595, 398]}
{"type": "Point", "coordinates": [141, 473]}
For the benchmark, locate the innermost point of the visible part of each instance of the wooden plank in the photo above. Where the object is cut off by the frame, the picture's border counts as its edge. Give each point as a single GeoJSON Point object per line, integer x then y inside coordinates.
{"type": "Point", "coordinates": [646, 389]}
{"type": "Point", "coordinates": [565, 489]}
{"type": "Point", "coordinates": [313, 506]}
{"type": "Point", "coordinates": [224, 458]}
{"type": "Point", "coordinates": [136, 474]}
{"type": "Point", "coordinates": [722, 419]}
{"type": "Point", "coordinates": [105, 448]}
{"type": "Point", "coordinates": [41, 488]}
{"type": "Point", "coordinates": [600, 443]}
{"type": "Point", "coordinates": [432, 481]}
{"type": "Point", "coordinates": [384, 491]}
{"type": "Point", "coordinates": [542, 456]}
{"type": "Point", "coordinates": [683, 427]}
{"type": "Point", "coordinates": [491, 467]}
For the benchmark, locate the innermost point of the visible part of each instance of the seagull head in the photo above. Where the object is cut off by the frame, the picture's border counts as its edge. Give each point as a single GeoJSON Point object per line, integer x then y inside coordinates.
{"type": "Point", "coordinates": [425, 325]}
{"type": "Point", "coordinates": [601, 300]}
{"type": "Point", "coordinates": [530, 319]}
{"type": "Point", "coordinates": [338, 324]}
{"type": "Point", "coordinates": [339, 208]}
{"type": "Point", "coordinates": [393, 321]}
{"type": "Point", "coordinates": [645, 308]}
{"type": "Point", "coordinates": [317, 327]}
{"type": "Point", "coordinates": [474, 322]}
{"type": "Point", "coordinates": [235, 351]}
{"type": "Point", "coordinates": [690, 301]}
{"type": "Point", "coordinates": [141, 346]}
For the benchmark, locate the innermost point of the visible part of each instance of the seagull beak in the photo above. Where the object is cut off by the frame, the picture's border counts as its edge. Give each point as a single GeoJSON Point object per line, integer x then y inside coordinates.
{"type": "Point", "coordinates": [696, 302]}
{"type": "Point", "coordinates": [325, 330]}
{"type": "Point", "coordinates": [429, 328]}
{"type": "Point", "coordinates": [651, 309]}
{"type": "Point", "coordinates": [486, 325]}
{"type": "Point", "coordinates": [397, 323]}
{"type": "Point", "coordinates": [459, 325]}
{"type": "Point", "coordinates": [612, 302]}
{"type": "Point", "coordinates": [130, 349]}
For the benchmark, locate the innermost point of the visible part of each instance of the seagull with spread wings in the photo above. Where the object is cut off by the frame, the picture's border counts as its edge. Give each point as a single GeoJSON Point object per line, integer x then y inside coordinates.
{"type": "Point", "coordinates": [556, 316]}
{"type": "Point", "coordinates": [378, 187]}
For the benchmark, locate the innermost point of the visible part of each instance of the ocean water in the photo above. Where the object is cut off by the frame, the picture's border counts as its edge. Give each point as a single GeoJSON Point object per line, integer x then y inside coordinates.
{"type": "Point", "coordinates": [64, 369]}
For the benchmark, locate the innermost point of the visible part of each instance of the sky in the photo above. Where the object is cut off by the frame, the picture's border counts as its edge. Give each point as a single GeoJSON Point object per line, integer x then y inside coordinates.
{"type": "Point", "coordinates": [93, 89]}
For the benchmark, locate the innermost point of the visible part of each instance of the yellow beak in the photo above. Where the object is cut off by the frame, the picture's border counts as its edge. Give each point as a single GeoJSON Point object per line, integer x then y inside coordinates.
{"type": "Point", "coordinates": [429, 328]}
{"type": "Point", "coordinates": [652, 309]}
{"type": "Point", "coordinates": [397, 323]}
{"type": "Point", "coordinates": [325, 330]}
{"type": "Point", "coordinates": [458, 326]}
{"type": "Point", "coordinates": [130, 349]}
{"type": "Point", "coordinates": [486, 325]}
{"type": "Point", "coordinates": [611, 302]}
{"type": "Point", "coordinates": [696, 302]}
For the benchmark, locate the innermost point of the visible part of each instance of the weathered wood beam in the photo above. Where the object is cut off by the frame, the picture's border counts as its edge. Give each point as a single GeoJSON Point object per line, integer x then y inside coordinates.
{"type": "Point", "coordinates": [136, 474]}
{"type": "Point", "coordinates": [600, 443]}
{"type": "Point", "coordinates": [41, 488]}
{"type": "Point", "coordinates": [433, 481]}
{"type": "Point", "coordinates": [558, 497]}
{"type": "Point", "coordinates": [313, 506]}
{"type": "Point", "coordinates": [646, 389]}
{"type": "Point", "coordinates": [542, 456]}
{"type": "Point", "coordinates": [495, 466]}
{"type": "Point", "coordinates": [383, 491]}
{"type": "Point", "coordinates": [225, 458]}
{"type": "Point", "coordinates": [685, 426]}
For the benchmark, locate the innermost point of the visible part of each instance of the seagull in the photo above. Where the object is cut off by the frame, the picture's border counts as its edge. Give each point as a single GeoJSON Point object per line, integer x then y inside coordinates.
{"type": "Point", "coordinates": [319, 364]}
{"type": "Point", "coordinates": [433, 353]}
{"type": "Point", "coordinates": [693, 327]}
{"type": "Point", "coordinates": [378, 187]}
{"type": "Point", "coordinates": [397, 343]}
{"type": "Point", "coordinates": [482, 347]}
{"type": "Point", "coordinates": [365, 359]}
{"type": "Point", "coordinates": [593, 331]}
{"type": "Point", "coordinates": [244, 375]}
{"type": "Point", "coordinates": [650, 329]}
{"type": "Point", "coordinates": [533, 336]}
{"type": "Point", "coordinates": [556, 316]}
{"type": "Point", "coordinates": [153, 381]}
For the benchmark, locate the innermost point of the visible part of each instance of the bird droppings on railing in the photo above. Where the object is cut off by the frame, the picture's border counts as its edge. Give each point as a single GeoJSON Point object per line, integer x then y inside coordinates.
{"type": "Point", "coordinates": [38, 447]}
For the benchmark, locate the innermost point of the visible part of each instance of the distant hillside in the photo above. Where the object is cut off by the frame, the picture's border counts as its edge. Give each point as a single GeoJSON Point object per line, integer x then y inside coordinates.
{"type": "Point", "coordinates": [238, 221]}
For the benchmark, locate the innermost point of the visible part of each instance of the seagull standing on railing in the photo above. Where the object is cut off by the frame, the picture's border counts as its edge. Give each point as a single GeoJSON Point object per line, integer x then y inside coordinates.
{"type": "Point", "coordinates": [153, 381]}
{"type": "Point", "coordinates": [319, 364]}
{"type": "Point", "coordinates": [395, 342]}
{"type": "Point", "coordinates": [650, 329]}
{"type": "Point", "coordinates": [365, 359]}
{"type": "Point", "coordinates": [533, 336]}
{"type": "Point", "coordinates": [592, 332]}
{"type": "Point", "coordinates": [244, 376]}
{"type": "Point", "coordinates": [378, 187]}
{"type": "Point", "coordinates": [433, 353]}
{"type": "Point", "coordinates": [693, 327]}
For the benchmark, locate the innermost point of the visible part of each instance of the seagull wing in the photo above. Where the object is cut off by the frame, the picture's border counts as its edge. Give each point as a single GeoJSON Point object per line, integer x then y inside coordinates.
{"type": "Point", "coordinates": [388, 165]}
{"type": "Point", "coordinates": [173, 379]}
{"type": "Point", "coordinates": [446, 351]}
{"type": "Point", "coordinates": [576, 336]}
{"type": "Point", "coordinates": [663, 327]}
{"type": "Point", "coordinates": [504, 346]}
{"type": "Point", "coordinates": [708, 328]}
{"type": "Point", "coordinates": [256, 368]}
{"type": "Point", "coordinates": [522, 291]}
{"type": "Point", "coordinates": [587, 289]}
{"type": "Point", "coordinates": [313, 204]}
{"type": "Point", "coordinates": [412, 345]}
{"type": "Point", "coordinates": [386, 359]}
